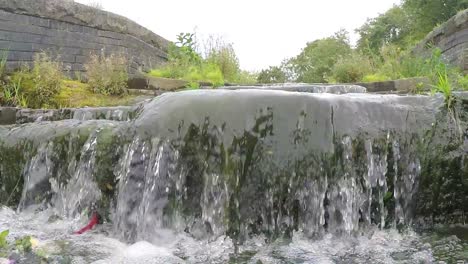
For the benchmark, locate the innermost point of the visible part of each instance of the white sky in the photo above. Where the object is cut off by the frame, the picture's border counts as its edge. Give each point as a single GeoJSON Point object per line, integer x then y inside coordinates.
{"type": "Point", "coordinates": [264, 32]}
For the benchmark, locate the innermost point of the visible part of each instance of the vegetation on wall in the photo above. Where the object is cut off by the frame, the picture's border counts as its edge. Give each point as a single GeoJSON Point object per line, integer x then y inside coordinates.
{"type": "Point", "coordinates": [383, 50]}
{"type": "Point", "coordinates": [107, 74]}
{"type": "Point", "coordinates": [216, 64]}
{"type": "Point", "coordinates": [44, 85]}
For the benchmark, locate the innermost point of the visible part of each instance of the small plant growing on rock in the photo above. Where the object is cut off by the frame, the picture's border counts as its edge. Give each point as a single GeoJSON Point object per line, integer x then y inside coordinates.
{"type": "Point", "coordinates": [47, 77]}
{"type": "Point", "coordinates": [444, 86]}
{"type": "Point", "coordinates": [107, 74]}
{"type": "Point", "coordinates": [34, 87]}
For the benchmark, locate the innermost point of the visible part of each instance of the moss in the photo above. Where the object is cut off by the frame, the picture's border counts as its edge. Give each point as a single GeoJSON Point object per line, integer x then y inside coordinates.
{"type": "Point", "coordinates": [107, 155]}
{"type": "Point", "coordinates": [77, 94]}
{"type": "Point", "coordinates": [12, 160]}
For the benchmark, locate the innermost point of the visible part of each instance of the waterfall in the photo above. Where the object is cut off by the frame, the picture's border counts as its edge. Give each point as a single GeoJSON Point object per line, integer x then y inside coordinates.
{"type": "Point", "coordinates": [245, 163]}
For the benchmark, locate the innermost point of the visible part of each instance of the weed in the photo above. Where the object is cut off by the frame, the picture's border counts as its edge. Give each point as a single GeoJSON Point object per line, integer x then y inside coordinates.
{"type": "Point", "coordinates": [444, 86]}
{"type": "Point", "coordinates": [12, 94]}
{"type": "Point", "coordinates": [107, 75]}
{"type": "Point", "coordinates": [3, 62]}
{"type": "Point", "coordinates": [3, 241]}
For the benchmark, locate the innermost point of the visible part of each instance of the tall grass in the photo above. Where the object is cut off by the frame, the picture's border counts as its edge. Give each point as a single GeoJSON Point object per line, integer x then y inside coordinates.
{"type": "Point", "coordinates": [216, 64]}
{"type": "Point", "coordinates": [107, 75]}
{"type": "Point", "coordinates": [3, 62]}
{"type": "Point", "coordinates": [444, 86]}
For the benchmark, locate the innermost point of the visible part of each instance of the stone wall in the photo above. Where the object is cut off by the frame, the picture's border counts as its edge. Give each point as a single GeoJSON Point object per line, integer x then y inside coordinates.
{"type": "Point", "coordinates": [72, 32]}
{"type": "Point", "coordinates": [452, 38]}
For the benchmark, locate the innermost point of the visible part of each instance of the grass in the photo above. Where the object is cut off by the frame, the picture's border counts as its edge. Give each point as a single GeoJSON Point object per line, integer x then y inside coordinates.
{"type": "Point", "coordinates": [76, 94]}
{"type": "Point", "coordinates": [193, 74]}
{"type": "Point", "coordinates": [444, 86]}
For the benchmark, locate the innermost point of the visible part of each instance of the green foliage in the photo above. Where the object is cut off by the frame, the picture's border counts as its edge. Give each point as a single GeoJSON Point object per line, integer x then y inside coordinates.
{"type": "Point", "coordinates": [77, 94]}
{"type": "Point", "coordinates": [222, 54]}
{"type": "Point", "coordinates": [24, 244]}
{"type": "Point", "coordinates": [406, 24]}
{"type": "Point", "coordinates": [107, 75]}
{"type": "Point", "coordinates": [47, 77]}
{"type": "Point", "coordinates": [351, 68]}
{"type": "Point", "coordinates": [3, 62]}
{"type": "Point", "coordinates": [315, 63]}
{"type": "Point", "coordinates": [273, 74]}
{"type": "Point", "coordinates": [219, 64]}
{"type": "Point", "coordinates": [383, 50]}
{"type": "Point", "coordinates": [12, 95]}
{"type": "Point", "coordinates": [246, 77]}
{"type": "Point", "coordinates": [34, 87]}
{"type": "Point", "coordinates": [444, 86]}
{"type": "Point", "coordinates": [392, 27]}
{"type": "Point", "coordinates": [462, 82]}
{"type": "Point", "coordinates": [193, 74]}
{"type": "Point", "coordinates": [3, 241]}
{"type": "Point", "coordinates": [375, 77]}
{"type": "Point", "coordinates": [426, 14]}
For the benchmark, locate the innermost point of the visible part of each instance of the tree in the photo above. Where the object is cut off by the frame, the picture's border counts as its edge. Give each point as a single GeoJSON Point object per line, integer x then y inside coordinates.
{"type": "Point", "coordinates": [392, 27]}
{"type": "Point", "coordinates": [314, 64]}
{"type": "Point", "coordinates": [429, 13]}
{"type": "Point", "coordinates": [273, 74]}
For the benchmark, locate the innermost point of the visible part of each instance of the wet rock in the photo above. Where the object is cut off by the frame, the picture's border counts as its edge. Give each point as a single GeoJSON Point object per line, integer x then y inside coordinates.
{"type": "Point", "coordinates": [305, 88]}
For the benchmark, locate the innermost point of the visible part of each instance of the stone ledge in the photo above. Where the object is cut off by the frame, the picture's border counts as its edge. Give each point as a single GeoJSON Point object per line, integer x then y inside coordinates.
{"type": "Point", "coordinates": [400, 86]}
{"type": "Point", "coordinates": [156, 83]}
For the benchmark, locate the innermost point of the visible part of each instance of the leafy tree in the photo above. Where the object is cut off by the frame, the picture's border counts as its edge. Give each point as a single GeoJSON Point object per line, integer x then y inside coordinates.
{"type": "Point", "coordinates": [429, 13]}
{"type": "Point", "coordinates": [314, 64]}
{"type": "Point", "coordinates": [351, 68]}
{"type": "Point", "coordinates": [392, 27]}
{"type": "Point", "coordinates": [273, 74]}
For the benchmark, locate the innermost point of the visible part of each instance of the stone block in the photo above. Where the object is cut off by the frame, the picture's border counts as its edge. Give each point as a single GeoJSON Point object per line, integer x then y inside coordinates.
{"type": "Point", "coordinates": [18, 46]}
{"type": "Point", "coordinates": [8, 115]}
{"type": "Point", "coordinates": [165, 84]}
{"type": "Point", "coordinates": [20, 56]}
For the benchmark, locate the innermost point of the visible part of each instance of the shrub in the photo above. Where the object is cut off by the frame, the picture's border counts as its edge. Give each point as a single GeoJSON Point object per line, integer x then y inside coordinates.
{"type": "Point", "coordinates": [35, 87]}
{"type": "Point", "coordinates": [222, 54]}
{"type": "Point", "coordinates": [107, 74]}
{"type": "Point", "coordinates": [12, 95]}
{"type": "Point", "coordinates": [462, 82]}
{"type": "Point", "coordinates": [376, 77]}
{"type": "Point", "coordinates": [218, 65]}
{"type": "Point", "coordinates": [46, 77]}
{"type": "Point", "coordinates": [273, 74]}
{"type": "Point", "coordinates": [351, 68]}
{"type": "Point", "coordinates": [246, 77]}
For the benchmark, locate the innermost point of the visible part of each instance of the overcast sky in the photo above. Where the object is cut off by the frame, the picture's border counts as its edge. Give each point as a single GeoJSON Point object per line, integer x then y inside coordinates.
{"type": "Point", "coordinates": [264, 32]}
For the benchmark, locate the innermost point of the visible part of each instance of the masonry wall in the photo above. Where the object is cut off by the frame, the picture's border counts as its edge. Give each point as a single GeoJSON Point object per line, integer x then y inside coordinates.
{"type": "Point", "coordinates": [72, 39]}
{"type": "Point", "coordinates": [452, 38]}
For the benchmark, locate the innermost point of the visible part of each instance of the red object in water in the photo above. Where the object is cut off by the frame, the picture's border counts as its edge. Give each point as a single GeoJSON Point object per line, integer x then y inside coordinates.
{"type": "Point", "coordinates": [94, 221]}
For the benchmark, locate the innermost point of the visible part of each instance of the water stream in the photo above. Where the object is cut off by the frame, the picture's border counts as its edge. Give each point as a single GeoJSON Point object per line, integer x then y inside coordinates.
{"type": "Point", "coordinates": [243, 176]}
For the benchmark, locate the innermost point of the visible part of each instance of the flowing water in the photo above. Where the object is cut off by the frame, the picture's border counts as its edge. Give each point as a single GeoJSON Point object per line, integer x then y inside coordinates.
{"type": "Point", "coordinates": [246, 176]}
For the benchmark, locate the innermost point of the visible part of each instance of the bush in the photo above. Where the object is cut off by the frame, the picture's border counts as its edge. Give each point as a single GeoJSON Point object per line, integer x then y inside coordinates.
{"type": "Point", "coordinates": [47, 77]}
{"type": "Point", "coordinates": [35, 87]}
{"type": "Point", "coordinates": [222, 54]}
{"type": "Point", "coordinates": [273, 74]}
{"type": "Point", "coordinates": [11, 94]}
{"type": "Point", "coordinates": [218, 65]}
{"type": "Point", "coordinates": [351, 68]}
{"type": "Point", "coordinates": [376, 77]}
{"type": "Point", "coordinates": [246, 77]}
{"type": "Point", "coordinates": [204, 72]}
{"type": "Point", "coordinates": [462, 82]}
{"type": "Point", "coordinates": [107, 75]}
